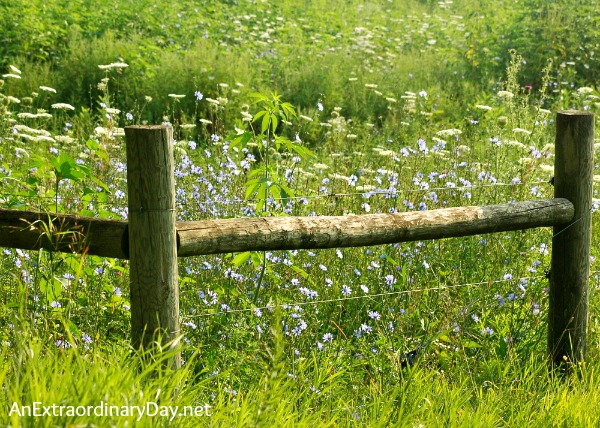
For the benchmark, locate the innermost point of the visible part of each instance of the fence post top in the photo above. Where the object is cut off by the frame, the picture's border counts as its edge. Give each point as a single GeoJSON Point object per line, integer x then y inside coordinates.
{"type": "Point", "coordinates": [575, 113]}
{"type": "Point", "coordinates": [149, 127]}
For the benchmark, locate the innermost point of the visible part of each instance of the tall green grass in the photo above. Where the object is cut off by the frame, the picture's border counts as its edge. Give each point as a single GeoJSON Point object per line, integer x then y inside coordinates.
{"type": "Point", "coordinates": [318, 392]}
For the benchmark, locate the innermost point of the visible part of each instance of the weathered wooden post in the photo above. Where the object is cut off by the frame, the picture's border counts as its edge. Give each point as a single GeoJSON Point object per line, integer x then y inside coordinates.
{"type": "Point", "coordinates": [569, 273]}
{"type": "Point", "coordinates": [152, 236]}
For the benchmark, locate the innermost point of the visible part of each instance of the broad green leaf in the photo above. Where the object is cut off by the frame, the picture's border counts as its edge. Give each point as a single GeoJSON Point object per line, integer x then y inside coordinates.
{"type": "Point", "coordinates": [258, 97]}
{"type": "Point", "coordinates": [259, 115]}
{"type": "Point", "coordinates": [300, 271]}
{"type": "Point", "coordinates": [266, 118]}
{"type": "Point", "coordinates": [286, 191]}
{"type": "Point", "coordinates": [239, 140]}
{"type": "Point", "coordinates": [241, 259]}
{"type": "Point", "coordinates": [255, 256]}
{"type": "Point", "coordinates": [288, 109]}
{"type": "Point", "coordinates": [102, 196]}
{"type": "Point", "coordinates": [260, 171]}
{"type": "Point", "coordinates": [391, 260]}
{"type": "Point", "coordinates": [275, 190]}
{"type": "Point", "coordinates": [274, 123]}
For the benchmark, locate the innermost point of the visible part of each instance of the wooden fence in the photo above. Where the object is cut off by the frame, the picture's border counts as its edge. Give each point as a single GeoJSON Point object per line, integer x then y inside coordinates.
{"type": "Point", "coordinates": [152, 239]}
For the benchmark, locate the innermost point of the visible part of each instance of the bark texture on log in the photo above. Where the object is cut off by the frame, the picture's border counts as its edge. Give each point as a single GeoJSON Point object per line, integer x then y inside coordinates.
{"type": "Point", "coordinates": [286, 233]}
{"type": "Point", "coordinates": [30, 230]}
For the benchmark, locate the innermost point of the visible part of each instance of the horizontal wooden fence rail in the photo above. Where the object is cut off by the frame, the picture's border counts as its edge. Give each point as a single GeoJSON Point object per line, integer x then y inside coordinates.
{"type": "Point", "coordinates": [109, 238]}
{"type": "Point", "coordinates": [30, 230]}
{"type": "Point", "coordinates": [287, 233]}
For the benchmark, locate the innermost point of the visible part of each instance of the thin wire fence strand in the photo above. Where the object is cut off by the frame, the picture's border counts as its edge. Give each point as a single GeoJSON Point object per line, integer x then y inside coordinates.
{"type": "Point", "coordinates": [53, 198]}
{"type": "Point", "coordinates": [365, 296]}
{"type": "Point", "coordinates": [585, 214]}
{"type": "Point", "coordinates": [120, 316]}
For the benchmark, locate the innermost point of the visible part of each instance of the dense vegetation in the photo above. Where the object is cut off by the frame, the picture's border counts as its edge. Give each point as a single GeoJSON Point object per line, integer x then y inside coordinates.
{"type": "Point", "coordinates": [297, 108]}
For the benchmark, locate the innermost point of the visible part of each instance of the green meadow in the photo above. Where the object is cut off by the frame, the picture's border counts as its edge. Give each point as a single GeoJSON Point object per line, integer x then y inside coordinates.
{"type": "Point", "coordinates": [295, 108]}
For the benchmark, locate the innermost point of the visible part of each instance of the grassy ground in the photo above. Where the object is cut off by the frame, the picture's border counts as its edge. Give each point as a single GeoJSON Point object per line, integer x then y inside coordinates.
{"type": "Point", "coordinates": [398, 106]}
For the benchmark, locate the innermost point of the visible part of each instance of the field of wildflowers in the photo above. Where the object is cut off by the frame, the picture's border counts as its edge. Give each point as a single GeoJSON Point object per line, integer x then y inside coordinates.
{"type": "Point", "coordinates": [299, 108]}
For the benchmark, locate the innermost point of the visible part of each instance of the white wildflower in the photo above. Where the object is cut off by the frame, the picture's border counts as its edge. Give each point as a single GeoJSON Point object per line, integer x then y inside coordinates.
{"type": "Point", "coordinates": [515, 143]}
{"type": "Point", "coordinates": [27, 129]}
{"type": "Point", "coordinates": [583, 90]}
{"type": "Point", "coordinates": [505, 94]}
{"type": "Point", "coordinates": [521, 131]}
{"type": "Point", "coordinates": [48, 89]}
{"type": "Point", "coordinates": [365, 188]}
{"type": "Point", "coordinates": [21, 151]}
{"type": "Point", "coordinates": [25, 136]}
{"type": "Point", "coordinates": [100, 131]}
{"type": "Point", "coordinates": [64, 139]}
{"type": "Point", "coordinates": [62, 106]}
{"type": "Point", "coordinates": [113, 65]}
{"type": "Point", "coordinates": [336, 176]}
{"type": "Point", "coordinates": [306, 173]}
{"type": "Point", "coordinates": [449, 132]}
{"type": "Point", "coordinates": [44, 138]}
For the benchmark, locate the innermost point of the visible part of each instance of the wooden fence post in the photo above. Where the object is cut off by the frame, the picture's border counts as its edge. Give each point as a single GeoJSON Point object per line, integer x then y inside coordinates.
{"type": "Point", "coordinates": [569, 273]}
{"type": "Point", "coordinates": [152, 236]}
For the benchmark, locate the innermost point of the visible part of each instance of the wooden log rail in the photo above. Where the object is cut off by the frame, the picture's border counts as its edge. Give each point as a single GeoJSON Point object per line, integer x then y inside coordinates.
{"type": "Point", "coordinates": [30, 230]}
{"type": "Point", "coordinates": [109, 238]}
